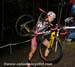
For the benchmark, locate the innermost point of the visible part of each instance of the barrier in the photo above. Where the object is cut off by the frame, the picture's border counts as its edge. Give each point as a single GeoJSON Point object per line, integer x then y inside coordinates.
{"type": "Point", "coordinates": [73, 27]}
{"type": "Point", "coordinates": [10, 45]}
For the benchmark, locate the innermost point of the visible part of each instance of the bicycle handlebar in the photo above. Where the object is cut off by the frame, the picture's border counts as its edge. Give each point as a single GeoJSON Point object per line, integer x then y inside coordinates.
{"type": "Point", "coordinates": [43, 11]}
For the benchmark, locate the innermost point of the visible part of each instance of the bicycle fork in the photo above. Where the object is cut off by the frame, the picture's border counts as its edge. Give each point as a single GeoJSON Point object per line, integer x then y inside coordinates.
{"type": "Point", "coordinates": [57, 39]}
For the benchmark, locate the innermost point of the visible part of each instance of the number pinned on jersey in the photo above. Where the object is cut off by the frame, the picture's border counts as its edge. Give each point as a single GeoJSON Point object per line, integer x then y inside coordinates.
{"type": "Point", "coordinates": [39, 25]}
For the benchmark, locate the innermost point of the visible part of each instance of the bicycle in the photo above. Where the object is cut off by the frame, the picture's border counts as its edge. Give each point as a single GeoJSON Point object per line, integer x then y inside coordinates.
{"type": "Point", "coordinates": [24, 28]}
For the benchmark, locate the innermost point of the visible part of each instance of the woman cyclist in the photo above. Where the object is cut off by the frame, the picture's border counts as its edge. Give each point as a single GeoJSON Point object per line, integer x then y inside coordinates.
{"type": "Point", "coordinates": [40, 27]}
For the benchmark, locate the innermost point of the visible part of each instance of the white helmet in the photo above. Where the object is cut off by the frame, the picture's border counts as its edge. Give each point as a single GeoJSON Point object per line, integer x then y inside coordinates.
{"type": "Point", "coordinates": [52, 14]}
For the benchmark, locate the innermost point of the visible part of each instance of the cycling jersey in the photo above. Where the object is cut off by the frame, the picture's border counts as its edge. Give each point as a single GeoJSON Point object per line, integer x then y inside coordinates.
{"type": "Point", "coordinates": [41, 26]}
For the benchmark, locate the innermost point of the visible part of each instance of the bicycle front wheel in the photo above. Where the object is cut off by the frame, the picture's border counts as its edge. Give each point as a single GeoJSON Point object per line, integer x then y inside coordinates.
{"type": "Point", "coordinates": [55, 52]}
{"type": "Point", "coordinates": [24, 25]}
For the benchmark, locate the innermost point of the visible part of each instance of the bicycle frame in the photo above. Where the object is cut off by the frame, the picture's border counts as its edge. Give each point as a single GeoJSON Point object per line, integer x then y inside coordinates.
{"type": "Point", "coordinates": [54, 35]}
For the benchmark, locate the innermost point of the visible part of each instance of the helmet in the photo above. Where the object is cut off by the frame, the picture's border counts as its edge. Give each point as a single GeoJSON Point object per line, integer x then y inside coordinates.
{"type": "Point", "coordinates": [73, 8]}
{"type": "Point", "coordinates": [52, 14]}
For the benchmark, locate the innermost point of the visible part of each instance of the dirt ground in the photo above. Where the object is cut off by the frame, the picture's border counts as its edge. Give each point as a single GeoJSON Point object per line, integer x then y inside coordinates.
{"type": "Point", "coordinates": [20, 54]}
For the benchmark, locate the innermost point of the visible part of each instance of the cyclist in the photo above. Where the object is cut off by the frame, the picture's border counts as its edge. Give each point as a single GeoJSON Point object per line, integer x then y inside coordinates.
{"type": "Point", "coordinates": [42, 26]}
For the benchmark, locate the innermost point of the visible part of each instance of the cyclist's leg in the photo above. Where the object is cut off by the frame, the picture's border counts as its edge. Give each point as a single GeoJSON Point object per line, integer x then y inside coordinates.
{"type": "Point", "coordinates": [33, 48]}
{"type": "Point", "coordinates": [45, 43]}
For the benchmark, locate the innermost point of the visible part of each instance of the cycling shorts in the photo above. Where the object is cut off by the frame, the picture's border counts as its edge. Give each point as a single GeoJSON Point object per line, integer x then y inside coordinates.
{"type": "Point", "coordinates": [36, 41]}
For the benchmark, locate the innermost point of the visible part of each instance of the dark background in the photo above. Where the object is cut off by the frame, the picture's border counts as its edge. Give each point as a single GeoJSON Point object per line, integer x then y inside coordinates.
{"type": "Point", "coordinates": [12, 9]}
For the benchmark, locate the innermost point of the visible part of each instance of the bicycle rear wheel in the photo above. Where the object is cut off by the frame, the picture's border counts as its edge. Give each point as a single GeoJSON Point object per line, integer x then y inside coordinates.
{"type": "Point", "coordinates": [24, 25]}
{"type": "Point", "coordinates": [55, 52]}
